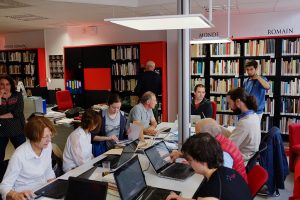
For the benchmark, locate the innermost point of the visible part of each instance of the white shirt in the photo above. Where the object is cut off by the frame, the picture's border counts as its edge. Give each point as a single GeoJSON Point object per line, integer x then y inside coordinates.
{"type": "Point", "coordinates": [26, 170]}
{"type": "Point", "coordinates": [78, 149]}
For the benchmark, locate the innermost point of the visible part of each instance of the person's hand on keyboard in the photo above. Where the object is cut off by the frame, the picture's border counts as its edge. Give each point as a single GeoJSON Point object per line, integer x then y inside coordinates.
{"type": "Point", "coordinates": [113, 137]}
{"type": "Point", "coordinates": [151, 131]}
{"type": "Point", "coordinates": [174, 196]}
{"type": "Point", "coordinates": [24, 195]}
{"type": "Point", "coordinates": [175, 154]}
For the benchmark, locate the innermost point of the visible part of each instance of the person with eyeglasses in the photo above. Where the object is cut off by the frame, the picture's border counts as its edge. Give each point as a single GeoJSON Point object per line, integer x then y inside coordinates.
{"type": "Point", "coordinates": [30, 166]}
{"type": "Point", "coordinates": [78, 149]}
{"type": "Point", "coordinates": [113, 126]}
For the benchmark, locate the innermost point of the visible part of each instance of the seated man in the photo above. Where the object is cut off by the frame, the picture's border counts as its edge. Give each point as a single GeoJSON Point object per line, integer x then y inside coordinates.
{"type": "Point", "coordinates": [200, 105]}
{"type": "Point", "coordinates": [231, 154]}
{"type": "Point", "coordinates": [142, 113]}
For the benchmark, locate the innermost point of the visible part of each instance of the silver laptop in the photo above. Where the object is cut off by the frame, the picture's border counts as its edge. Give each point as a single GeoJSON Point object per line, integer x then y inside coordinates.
{"type": "Point", "coordinates": [159, 157]}
{"type": "Point", "coordinates": [132, 185]}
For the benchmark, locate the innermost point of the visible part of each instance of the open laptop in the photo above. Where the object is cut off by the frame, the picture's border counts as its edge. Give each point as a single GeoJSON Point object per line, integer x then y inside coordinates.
{"type": "Point", "coordinates": [132, 185]}
{"type": "Point", "coordinates": [159, 157]}
{"type": "Point", "coordinates": [117, 160]}
{"type": "Point", "coordinates": [82, 189]}
{"type": "Point", "coordinates": [56, 190]}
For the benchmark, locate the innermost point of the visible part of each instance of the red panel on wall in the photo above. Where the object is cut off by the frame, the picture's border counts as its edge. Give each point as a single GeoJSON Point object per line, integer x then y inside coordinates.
{"type": "Point", "coordinates": [155, 51]}
{"type": "Point", "coordinates": [42, 67]}
{"type": "Point", "coordinates": [97, 79]}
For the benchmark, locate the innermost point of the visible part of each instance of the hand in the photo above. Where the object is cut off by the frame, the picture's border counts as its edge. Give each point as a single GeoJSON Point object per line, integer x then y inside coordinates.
{"type": "Point", "coordinates": [175, 154]}
{"type": "Point", "coordinates": [2, 93]}
{"type": "Point", "coordinates": [114, 138]}
{"type": "Point", "coordinates": [255, 77]}
{"type": "Point", "coordinates": [27, 194]}
{"type": "Point", "coordinates": [173, 196]}
{"type": "Point", "coordinates": [150, 131]}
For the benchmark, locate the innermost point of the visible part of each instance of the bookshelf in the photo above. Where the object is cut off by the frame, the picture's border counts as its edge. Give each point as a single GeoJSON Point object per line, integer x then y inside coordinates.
{"type": "Point", "coordinates": [56, 66]}
{"type": "Point", "coordinates": [26, 65]}
{"type": "Point", "coordinates": [101, 69]}
{"type": "Point", "coordinates": [223, 68]}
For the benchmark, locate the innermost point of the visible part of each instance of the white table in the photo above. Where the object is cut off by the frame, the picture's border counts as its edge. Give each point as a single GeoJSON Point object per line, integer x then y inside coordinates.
{"type": "Point", "coordinates": [187, 187]}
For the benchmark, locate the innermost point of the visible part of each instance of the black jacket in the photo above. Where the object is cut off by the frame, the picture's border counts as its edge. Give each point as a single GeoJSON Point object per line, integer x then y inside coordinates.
{"type": "Point", "coordinates": [204, 109]}
{"type": "Point", "coordinates": [148, 81]}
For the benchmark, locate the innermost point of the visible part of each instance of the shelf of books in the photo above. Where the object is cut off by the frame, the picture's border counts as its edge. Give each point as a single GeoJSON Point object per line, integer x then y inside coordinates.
{"type": "Point", "coordinates": [221, 67]}
{"type": "Point", "coordinates": [26, 65]}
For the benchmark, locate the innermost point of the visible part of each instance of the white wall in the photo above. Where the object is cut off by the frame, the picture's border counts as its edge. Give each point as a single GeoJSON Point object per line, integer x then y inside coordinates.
{"type": "Point", "coordinates": [33, 39]}
{"type": "Point", "coordinates": [2, 41]}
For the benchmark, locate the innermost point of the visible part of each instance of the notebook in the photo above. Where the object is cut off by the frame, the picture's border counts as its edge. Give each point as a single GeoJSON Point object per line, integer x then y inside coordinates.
{"type": "Point", "coordinates": [117, 160]}
{"type": "Point", "coordinates": [56, 190]}
{"type": "Point", "coordinates": [159, 157]}
{"type": "Point", "coordinates": [132, 185]}
{"type": "Point", "coordinates": [83, 189]}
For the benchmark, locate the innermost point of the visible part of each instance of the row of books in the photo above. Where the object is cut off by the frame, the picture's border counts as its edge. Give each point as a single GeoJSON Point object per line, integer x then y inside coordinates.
{"type": "Point", "coordinates": [222, 105]}
{"type": "Point", "coordinates": [224, 85]}
{"type": "Point", "coordinates": [56, 63]}
{"type": "Point", "coordinates": [225, 49]}
{"type": "Point", "coordinates": [15, 56]}
{"type": "Point", "coordinates": [74, 86]}
{"type": "Point", "coordinates": [291, 47]}
{"type": "Point", "coordinates": [122, 85]}
{"type": "Point", "coordinates": [29, 69]}
{"type": "Point", "coordinates": [266, 67]}
{"type": "Point", "coordinates": [270, 91]}
{"type": "Point", "coordinates": [224, 67]}
{"type": "Point", "coordinates": [226, 120]}
{"type": "Point", "coordinates": [291, 67]}
{"type": "Point", "coordinates": [197, 67]}
{"type": "Point", "coordinates": [2, 57]}
{"type": "Point", "coordinates": [290, 88]}
{"type": "Point", "coordinates": [131, 100]}
{"type": "Point", "coordinates": [198, 50]}
{"type": "Point", "coordinates": [285, 122]}
{"type": "Point", "coordinates": [129, 68]}
{"type": "Point", "coordinates": [28, 56]}
{"type": "Point", "coordinates": [290, 106]}
{"type": "Point", "coordinates": [3, 69]}
{"type": "Point", "coordinates": [266, 123]}
{"type": "Point", "coordinates": [14, 69]}
{"type": "Point", "coordinates": [29, 82]}
{"type": "Point", "coordinates": [196, 81]}
{"type": "Point", "coordinates": [260, 48]}
{"type": "Point", "coordinates": [124, 53]}
{"type": "Point", "coordinates": [269, 106]}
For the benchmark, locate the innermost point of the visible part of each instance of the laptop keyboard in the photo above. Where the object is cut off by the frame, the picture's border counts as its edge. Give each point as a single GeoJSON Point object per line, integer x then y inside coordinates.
{"type": "Point", "coordinates": [178, 170]}
{"type": "Point", "coordinates": [155, 194]}
{"type": "Point", "coordinates": [112, 158]}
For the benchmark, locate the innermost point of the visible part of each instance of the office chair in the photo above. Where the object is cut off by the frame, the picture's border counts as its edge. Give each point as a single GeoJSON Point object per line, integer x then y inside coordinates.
{"type": "Point", "coordinates": [214, 108]}
{"type": "Point", "coordinates": [294, 144]}
{"type": "Point", "coordinates": [64, 100]}
{"type": "Point", "coordinates": [257, 177]}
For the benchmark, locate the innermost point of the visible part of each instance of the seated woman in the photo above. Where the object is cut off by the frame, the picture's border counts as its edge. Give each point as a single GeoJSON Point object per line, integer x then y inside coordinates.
{"type": "Point", "coordinates": [78, 149]}
{"type": "Point", "coordinates": [30, 166]}
{"type": "Point", "coordinates": [200, 105]}
{"type": "Point", "coordinates": [113, 127]}
{"type": "Point", "coordinates": [204, 154]}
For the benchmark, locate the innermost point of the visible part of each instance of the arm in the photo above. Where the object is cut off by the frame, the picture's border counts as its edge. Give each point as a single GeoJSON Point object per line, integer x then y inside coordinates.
{"type": "Point", "coordinates": [98, 138]}
{"type": "Point", "coordinates": [6, 116]}
{"type": "Point", "coordinates": [151, 129]}
{"type": "Point", "coordinates": [76, 150]}
{"type": "Point", "coordinates": [263, 82]}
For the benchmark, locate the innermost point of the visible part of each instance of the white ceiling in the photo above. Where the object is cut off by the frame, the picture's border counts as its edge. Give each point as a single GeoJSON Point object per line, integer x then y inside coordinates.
{"type": "Point", "coordinates": [28, 15]}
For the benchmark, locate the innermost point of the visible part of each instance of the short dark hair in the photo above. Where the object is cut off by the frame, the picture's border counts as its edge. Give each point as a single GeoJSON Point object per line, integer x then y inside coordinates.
{"type": "Point", "coordinates": [198, 85]}
{"type": "Point", "coordinates": [113, 98]}
{"type": "Point", "coordinates": [240, 93]}
{"type": "Point", "coordinates": [89, 119]}
{"type": "Point", "coordinates": [34, 129]}
{"type": "Point", "coordinates": [250, 63]}
{"type": "Point", "coordinates": [147, 96]}
{"type": "Point", "coordinates": [11, 82]}
{"type": "Point", "coordinates": [204, 147]}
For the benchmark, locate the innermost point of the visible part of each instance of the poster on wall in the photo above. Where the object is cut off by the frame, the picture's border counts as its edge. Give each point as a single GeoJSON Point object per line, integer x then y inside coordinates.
{"type": "Point", "coordinates": [56, 66]}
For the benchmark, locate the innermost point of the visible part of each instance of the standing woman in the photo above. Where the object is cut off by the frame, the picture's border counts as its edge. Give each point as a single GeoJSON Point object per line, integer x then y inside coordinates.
{"type": "Point", "coordinates": [30, 166]}
{"type": "Point", "coordinates": [11, 115]}
{"type": "Point", "coordinates": [78, 149]}
{"type": "Point", "coordinates": [113, 126]}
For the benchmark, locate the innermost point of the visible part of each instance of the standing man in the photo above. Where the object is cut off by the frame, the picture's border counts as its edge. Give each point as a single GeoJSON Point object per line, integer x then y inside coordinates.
{"type": "Point", "coordinates": [149, 80]}
{"type": "Point", "coordinates": [200, 105]}
{"type": "Point", "coordinates": [142, 113]}
{"type": "Point", "coordinates": [256, 86]}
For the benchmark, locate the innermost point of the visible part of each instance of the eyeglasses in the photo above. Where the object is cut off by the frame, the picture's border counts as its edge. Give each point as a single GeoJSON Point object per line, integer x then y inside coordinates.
{"type": "Point", "coordinates": [49, 137]}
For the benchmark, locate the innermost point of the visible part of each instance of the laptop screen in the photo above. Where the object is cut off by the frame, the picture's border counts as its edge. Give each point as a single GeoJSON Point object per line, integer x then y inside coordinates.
{"type": "Point", "coordinates": [130, 179]}
{"type": "Point", "coordinates": [81, 189]}
{"type": "Point", "coordinates": [158, 155]}
{"type": "Point", "coordinates": [128, 152]}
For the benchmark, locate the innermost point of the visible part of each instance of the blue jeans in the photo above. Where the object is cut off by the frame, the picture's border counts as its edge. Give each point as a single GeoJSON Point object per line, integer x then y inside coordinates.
{"type": "Point", "coordinates": [15, 140]}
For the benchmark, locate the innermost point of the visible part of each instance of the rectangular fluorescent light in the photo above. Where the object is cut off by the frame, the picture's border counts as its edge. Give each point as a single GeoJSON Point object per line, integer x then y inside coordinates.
{"type": "Point", "coordinates": [164, 22]}
{"type": "Point", "coordinates": [210, 40]}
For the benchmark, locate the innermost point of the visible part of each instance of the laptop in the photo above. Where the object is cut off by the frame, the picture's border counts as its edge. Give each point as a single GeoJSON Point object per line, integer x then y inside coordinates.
{"type": "Point", "coordinates": [83, 189]}
{"type": "Point", "coordinates": [56, 190]}
{"type": "Point", "coordinates": [117, 160]}
{"type": "Point", "coordinates": [131, 183]}
{"type": "Point", "coordinates": [159, 157]}
{"type": "Point", "coordinates": [87, 174]}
